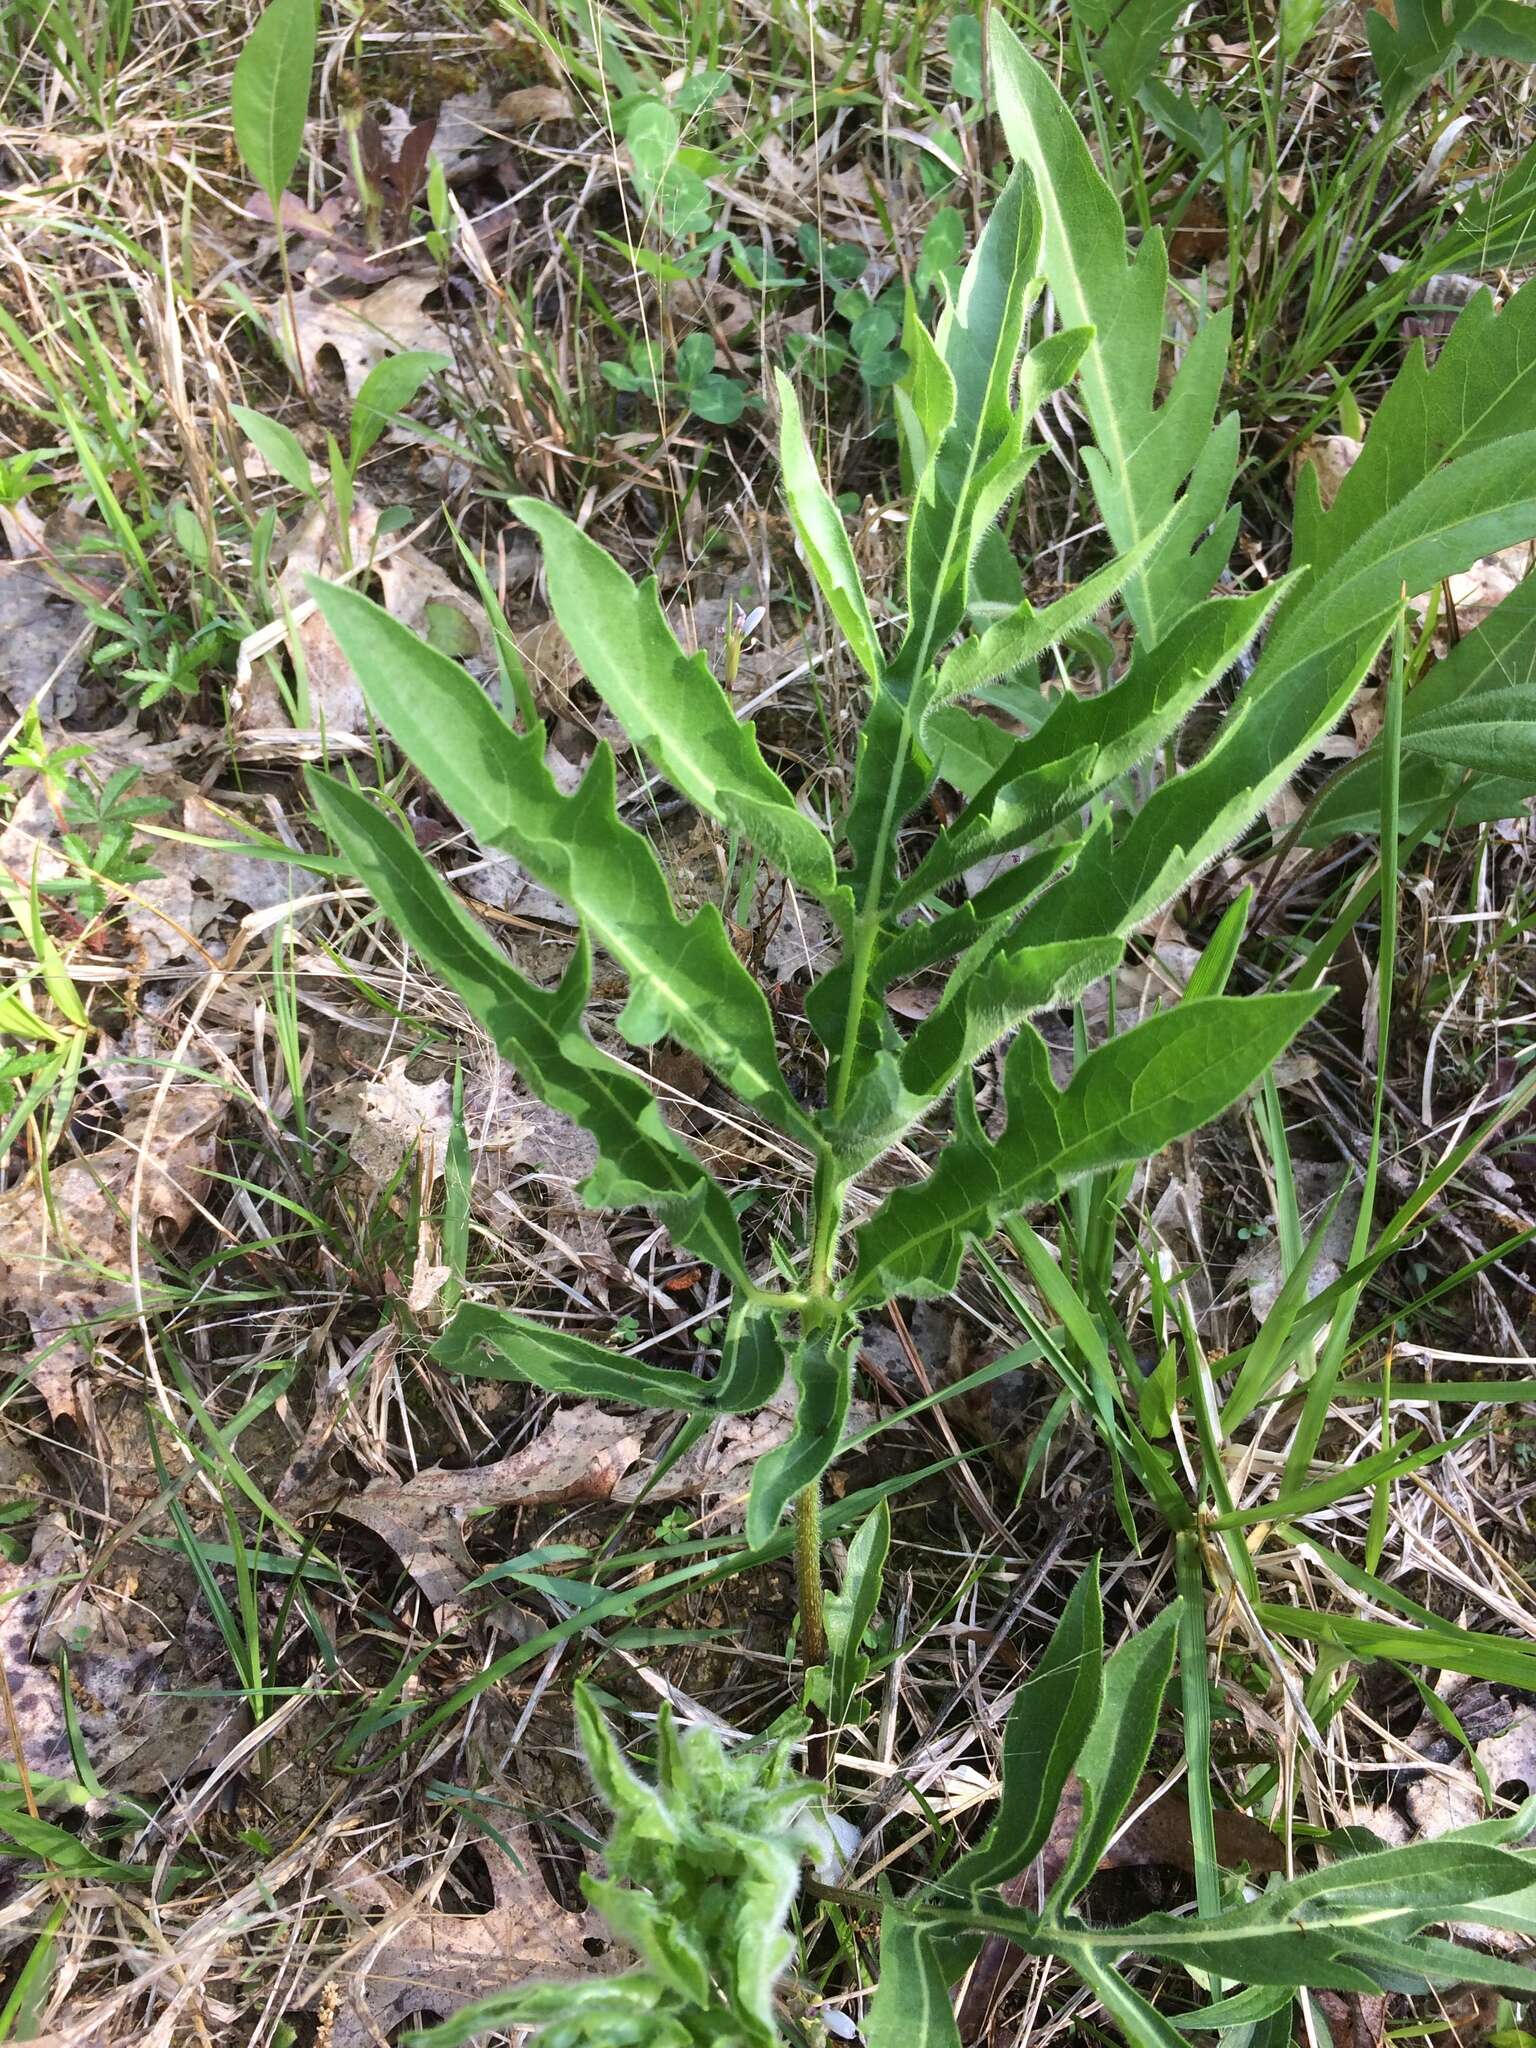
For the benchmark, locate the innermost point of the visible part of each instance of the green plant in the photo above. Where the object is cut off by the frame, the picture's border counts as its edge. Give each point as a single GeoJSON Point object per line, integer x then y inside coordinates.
{"type": "Point", "coordinates": [388, 389]}
{"type": "Point", "coordinates": [165, 655]}
{"type": "Point", "coordinates": [704, 1867]}
{"type": "Point", "coordinates": [1423, 36]}
{"type": "Point", "coordinates": [1354, 1923]}
{"type": "Point", "coordinates": [708, 393]}
{"type": "Point", "coordinates": [102, 840]}
{"type": "Point", "coordinates": [269, 99]}
{"type": "Point", "coordinates": [269, 95]}
{"type": "Point", "coordinates": [1440, 483]}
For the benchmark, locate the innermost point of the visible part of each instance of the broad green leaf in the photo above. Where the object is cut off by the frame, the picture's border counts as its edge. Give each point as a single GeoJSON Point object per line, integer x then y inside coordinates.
{"type": "Point", "coordinates": [972, 469]}
{"type": "Point", "coordinates": [669, 704]}
{"type": "Point", "coordinates": [1472, 681]}
{"type": "Point", "coordinates": [986, 995]}
{"type": "Point", "coordinates": [911, 2006]}
{"type": "Point", "coordinates": [494, 1344]}
{"type": "Point", "coordinates": [677, 195]}
{"type": "Point", "coordinates": [984, 998]}
{"type": "Point", "coordinates": [1243, 2009]}
{"type": "Point", "coordinates": [1126, 1101]}
{"type": "Point", "coordinates": [539, 1032]}
{"type": "Point", "coordinates": [1498, 28]}
{"type": "Point", "coordinates": [269, 95]}
{"type": "Point", "coordinates": [1128, 39]}
{"type": "Point", "coordinates": [1324, 638]}
{"type": "Point", "coordinates": [823, 536]}
{"type": "Point", "coordinates": [1298, 24]}
{"type": "Point", "coordinates": [278, 446]}
{"type": "Point", "coordinates": [1348, 1926]}
{"type": "Point", "coordinates": [851, 1609]}
{"type": "Point", "coordinates": [1113, 1757]}
{"type": "Point", "coordinates": [1285, 1934]}
{"type": "Point", "coordinates": [1145, 454]}
{"type": "Point", "coordinates": [389, 387]}
{"type": "Point", "coordinates": [1048, 1724]}
{"type": "Point", "coordinates": [1501, 742]}
{"type": "Point", "coordinates": [684, 977]}
{"type": "Point", "coordinates": [1088, 742]}
{"type": "Point", "coordinates": [1453, 513]}
{"type": "Point", "coordinates": [1425, 35]}
{"type": "Point", "coordinates": [823, 1373]}
{"type": "Point", "coordinates": [925, 395]}
{"type": "Point", "coordinates": [1480, 389]}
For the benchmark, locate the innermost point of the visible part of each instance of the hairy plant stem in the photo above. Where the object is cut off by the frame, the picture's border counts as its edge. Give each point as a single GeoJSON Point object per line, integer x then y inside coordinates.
{"type": "Point", "coordinates": [821, 1309]}
{"type": "Point", "coordinates": [813, 1618]}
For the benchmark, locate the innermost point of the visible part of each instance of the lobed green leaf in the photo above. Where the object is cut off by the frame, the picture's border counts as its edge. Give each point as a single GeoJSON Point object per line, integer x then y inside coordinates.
{"type": "Point", "coordinates": [540, 1033]}
{"type": "Point", "coordinates": [1050, 1721]}
{"type": "Point", "coordinates": [684, 977]}
{"type": "Point", "coordinates": [1127, 1100]}
{"type": "Point", "coordinates": [494, 1344]}
{"type": "Point", "coordinates": [670, 705]}
{"type": "Point", "coordinates": [1145, 454]}
{"type": "Point", "coordinates": [1114, 1755]}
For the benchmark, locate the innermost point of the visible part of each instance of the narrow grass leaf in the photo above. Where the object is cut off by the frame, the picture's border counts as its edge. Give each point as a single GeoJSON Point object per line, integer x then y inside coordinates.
{"type": "Point", "coordinates": [1440, 1646]}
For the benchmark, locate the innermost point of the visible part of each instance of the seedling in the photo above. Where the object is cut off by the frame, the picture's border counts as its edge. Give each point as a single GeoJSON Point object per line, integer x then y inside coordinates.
{"type": "Point", "coordinates": [704, 1866]}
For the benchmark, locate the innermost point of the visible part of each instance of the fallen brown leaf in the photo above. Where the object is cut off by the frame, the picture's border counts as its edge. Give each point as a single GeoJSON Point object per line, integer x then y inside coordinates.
{"type": "Point", "coordinates": [43, 637]}
{"type": "Point", "coordinates": [1355, 2020]}
{"type": "Point", "coordinates": [143, 1722]}
{"type": "Point", "coordinates": [582, 1454]}
{"type": "Point", "coordinates": [66, 1247]}
{"type": "Point", "coordinates": [198, 885]}
{"type": "Point", "coordinates": [531, 104]}
{"type": "Point", "coordinates": [348, 337]}
{"type": "Point", "coordinates": [419, 1962]}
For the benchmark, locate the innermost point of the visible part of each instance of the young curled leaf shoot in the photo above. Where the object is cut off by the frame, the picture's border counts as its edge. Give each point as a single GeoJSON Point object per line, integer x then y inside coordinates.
{"type": "Point", "coordinates": [704, 1863]}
